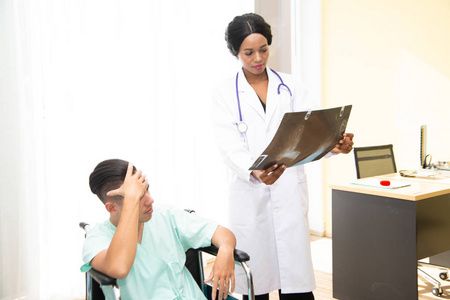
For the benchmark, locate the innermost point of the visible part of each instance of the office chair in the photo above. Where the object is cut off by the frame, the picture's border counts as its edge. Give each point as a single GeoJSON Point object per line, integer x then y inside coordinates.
{"type": "Point", "coordinates": [379, 160]}
{"type": "Point", "coordinates": [194, 263]}
{"type": "Point", "coordinates": [374, 160]}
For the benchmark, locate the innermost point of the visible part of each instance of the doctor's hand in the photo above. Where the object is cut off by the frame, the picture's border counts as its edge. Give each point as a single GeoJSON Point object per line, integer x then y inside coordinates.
{"type": "Point", "coordinates": [270, 175]}
{"type": "Point", "coordinates": [345, 145]}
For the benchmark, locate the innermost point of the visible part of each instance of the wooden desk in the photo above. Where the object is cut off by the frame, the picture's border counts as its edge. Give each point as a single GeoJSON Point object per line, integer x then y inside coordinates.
{"type": "Point", "coordinates": [379, 234]}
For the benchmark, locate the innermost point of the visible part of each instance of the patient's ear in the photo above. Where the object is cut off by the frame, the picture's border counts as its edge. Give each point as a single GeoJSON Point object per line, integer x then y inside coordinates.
{"type": "Point", "coordinates": [112, 207]}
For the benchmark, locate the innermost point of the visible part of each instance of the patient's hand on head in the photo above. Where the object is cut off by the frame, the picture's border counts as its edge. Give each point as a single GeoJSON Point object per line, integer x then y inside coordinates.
{"type": "Point", "coordinates": [133, 187]}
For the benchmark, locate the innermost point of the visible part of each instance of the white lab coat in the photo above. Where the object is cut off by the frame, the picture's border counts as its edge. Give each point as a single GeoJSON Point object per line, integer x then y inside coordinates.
{"type": "Point", "coordinates": [270, 222]}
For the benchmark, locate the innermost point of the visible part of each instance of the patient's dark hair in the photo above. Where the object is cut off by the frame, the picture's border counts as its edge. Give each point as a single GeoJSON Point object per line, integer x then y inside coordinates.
{"type": "Point", "coordinates": [108, 175]}
{"type": "Point", "coordinates": [243, 26]}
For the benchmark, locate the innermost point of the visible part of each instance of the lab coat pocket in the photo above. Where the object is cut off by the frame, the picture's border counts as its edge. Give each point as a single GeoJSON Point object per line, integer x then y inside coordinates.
{"type": "Point", "coordinates": [242, 210]}
{"type": "Point", "coordinates": [302, 178]}
{"type": "Point", "coordinates": [303, 192]}
{"type": "Point", "coordinates": [301, 175]}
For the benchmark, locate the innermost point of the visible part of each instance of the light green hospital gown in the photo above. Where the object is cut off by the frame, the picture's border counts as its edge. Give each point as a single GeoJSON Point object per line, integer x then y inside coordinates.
{"type": "Point", "coordinates": [158, 271]}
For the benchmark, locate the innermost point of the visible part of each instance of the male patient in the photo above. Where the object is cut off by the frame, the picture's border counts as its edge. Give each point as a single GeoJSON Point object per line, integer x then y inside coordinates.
{"type": "Point", "coordinates": [143, 244]}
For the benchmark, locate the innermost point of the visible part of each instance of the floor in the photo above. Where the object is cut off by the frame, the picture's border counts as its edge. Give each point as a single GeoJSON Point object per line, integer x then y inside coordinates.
{"type": "Point", "coordinates": [321, 248]}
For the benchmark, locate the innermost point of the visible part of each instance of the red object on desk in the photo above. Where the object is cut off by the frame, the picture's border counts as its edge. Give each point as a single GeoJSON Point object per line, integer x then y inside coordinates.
{"type": "Point", "coordinates": [385, 182]}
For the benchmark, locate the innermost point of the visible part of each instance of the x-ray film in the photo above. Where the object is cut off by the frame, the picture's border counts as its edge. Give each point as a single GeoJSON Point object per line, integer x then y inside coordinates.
{"type": "Point", "coordinates": [303, 137]}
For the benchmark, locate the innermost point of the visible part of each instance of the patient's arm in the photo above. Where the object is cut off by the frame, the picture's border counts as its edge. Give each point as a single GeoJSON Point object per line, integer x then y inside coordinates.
{"type": "Point", "coordinates": [223, 269]}
{"type": "Point", "coordinates": [117, 260]}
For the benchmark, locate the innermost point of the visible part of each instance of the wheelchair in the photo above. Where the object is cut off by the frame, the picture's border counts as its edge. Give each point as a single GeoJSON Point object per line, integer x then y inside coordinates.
{"type": "Point", "coordinates": [194, 263]}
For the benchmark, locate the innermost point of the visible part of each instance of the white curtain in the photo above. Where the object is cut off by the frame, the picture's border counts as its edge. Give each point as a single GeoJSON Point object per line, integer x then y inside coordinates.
{"type": "Point", "coordinates": [86, 80]}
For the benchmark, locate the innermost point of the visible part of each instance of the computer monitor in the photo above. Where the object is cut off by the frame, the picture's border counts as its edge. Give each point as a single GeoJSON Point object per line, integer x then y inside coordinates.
{"type": "Point", "coordinates": [423, 145]}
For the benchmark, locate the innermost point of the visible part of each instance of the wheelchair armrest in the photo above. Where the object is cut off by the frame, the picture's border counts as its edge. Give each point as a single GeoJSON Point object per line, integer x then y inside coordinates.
{"type": "Point", "coordinates": [101, 278]}
{"type": "Point", "coordinates": [239, 256]}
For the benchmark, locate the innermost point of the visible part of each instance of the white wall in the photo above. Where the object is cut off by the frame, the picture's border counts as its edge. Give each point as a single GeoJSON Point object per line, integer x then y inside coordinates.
{"type": "Point", "coordinates": [278, 15]}
{"type": "Point", "coordinates": [390, 59]}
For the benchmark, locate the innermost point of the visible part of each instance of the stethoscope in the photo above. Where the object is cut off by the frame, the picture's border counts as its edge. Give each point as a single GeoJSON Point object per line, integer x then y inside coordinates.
{"type": "Point", "coordinates": [242, 126]}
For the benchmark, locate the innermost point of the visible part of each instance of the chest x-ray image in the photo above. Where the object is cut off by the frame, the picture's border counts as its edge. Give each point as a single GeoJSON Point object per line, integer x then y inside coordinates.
{"type": "Point", "coordinates": [304, 137]}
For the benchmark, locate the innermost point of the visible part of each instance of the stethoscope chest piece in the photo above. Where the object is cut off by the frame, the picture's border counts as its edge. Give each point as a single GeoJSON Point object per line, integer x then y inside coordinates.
{"type": "Point", "coordinates": [242, 127]}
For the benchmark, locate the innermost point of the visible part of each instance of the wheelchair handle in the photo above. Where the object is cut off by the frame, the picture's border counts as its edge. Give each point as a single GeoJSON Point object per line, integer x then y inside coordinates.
{"type": "Point", "coordinates": [84, 226]}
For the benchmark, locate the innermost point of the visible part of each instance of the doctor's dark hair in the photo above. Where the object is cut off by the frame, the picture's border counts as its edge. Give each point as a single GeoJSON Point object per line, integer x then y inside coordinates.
{"type": "Point", "coordinates": [107, 176]}
{"type": "Point", "coordinates": [243, 26]}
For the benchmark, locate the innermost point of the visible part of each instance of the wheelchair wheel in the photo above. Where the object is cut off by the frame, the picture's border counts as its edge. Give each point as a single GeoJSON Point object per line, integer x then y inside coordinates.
{"type": "Point", "coordinates": [443, 275]}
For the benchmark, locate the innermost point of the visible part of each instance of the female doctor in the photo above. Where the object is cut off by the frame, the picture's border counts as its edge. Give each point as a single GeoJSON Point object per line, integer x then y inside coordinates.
{"type": "Point", "coordinates": [268, 210]}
